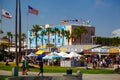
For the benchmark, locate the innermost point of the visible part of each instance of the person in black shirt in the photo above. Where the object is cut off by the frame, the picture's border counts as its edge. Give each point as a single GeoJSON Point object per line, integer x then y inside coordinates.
{"type": "Point", "coordinates": [41, 67]}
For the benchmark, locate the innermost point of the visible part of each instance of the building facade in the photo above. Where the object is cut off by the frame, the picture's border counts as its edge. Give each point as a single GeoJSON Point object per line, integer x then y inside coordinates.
{"type": "Point", "coordinates": [60, 40]}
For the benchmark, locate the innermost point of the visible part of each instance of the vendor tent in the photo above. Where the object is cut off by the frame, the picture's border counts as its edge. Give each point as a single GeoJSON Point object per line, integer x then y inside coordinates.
{"type": "Point", "coordinates": [96, 50]}
{"type": "Point", "coordinates": [41, 56]}
{"type": "Point", "coordinates": [74, 54]}
{"type": "Point", "coordinates": [32, 55]}
{"type": "Point", "coordinates": [52, 55]}
{"type": "Point", "coordinates": [64, 55]}
{"type": "Point", "coordinates": [39, 52]}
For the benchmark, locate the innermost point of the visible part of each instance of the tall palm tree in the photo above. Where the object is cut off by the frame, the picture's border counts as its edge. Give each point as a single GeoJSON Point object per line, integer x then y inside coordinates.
{"type": "Point", "coordinates": [30, 38]}
{"type": "Point", "coordinates": [81, 30]}
{"type": "Point", "coordinates": [48, 30]}
{"type": "Point", "coordinates": [68, 36]}
{"type": "Point", "coordinates": [75, 35]}
{"type": "Point", "coordinates": [36, 29]}
{"type": "Point", "coordinates": [43, 32]}
{"type": "Point", "coordinates": [55, 31]}
{"type": "Point", "coordinates": [9, 34]}
{"type": "Point", "coordinates": [1, 31]}
{"type": "Point", "coordinates": [63, 35]}
{"type": "Point", "coordinates": [23, 37]}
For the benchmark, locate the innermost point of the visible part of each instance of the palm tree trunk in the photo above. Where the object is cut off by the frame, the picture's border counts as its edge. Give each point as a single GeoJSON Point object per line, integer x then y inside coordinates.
{"type": "Point", "coordinates": [55, 40]}
{"type": "Point", "coordinates": [62, 40]}
{"type": "Point", "coordinates": [36, 41]}
{"type": "Point", "coordinates": [42, 40]}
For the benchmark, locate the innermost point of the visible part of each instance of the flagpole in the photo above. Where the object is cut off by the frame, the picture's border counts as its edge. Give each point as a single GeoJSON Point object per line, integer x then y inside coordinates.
{"type": "Point", "coordinates": [1, 21]}
{"type": "Point", "coordinates": [0, 17]}
{"type": "Point", "coordinates": [27, 28]}
{"type": "Point", "coordinates": [20, 31]}
{"type": "Point", "coordinates": [16, 27]}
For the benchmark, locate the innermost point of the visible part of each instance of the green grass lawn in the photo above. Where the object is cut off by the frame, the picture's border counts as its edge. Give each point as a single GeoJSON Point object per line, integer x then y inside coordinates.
{"type": "Point", "coordinates": [57, 69]}
{"type": "Point", "coordinates": [3, 77]}
{"type": "Point", "coordinates": [54, 69]}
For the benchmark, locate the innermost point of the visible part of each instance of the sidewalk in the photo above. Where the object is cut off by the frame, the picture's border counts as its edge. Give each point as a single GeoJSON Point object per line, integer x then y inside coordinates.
{"type": "Point", "coordinates": [85, 76]}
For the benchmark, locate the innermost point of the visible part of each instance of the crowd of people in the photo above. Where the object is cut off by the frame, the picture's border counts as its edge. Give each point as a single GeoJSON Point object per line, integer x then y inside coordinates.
{"type": "Point", "coordinates": [105, 62]}
{"type": "Point", "coordinates": [94, 62]}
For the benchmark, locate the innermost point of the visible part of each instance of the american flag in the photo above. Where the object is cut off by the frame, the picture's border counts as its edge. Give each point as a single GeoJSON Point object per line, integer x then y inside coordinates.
{"type": "Point", "coordinates": [32, 10]}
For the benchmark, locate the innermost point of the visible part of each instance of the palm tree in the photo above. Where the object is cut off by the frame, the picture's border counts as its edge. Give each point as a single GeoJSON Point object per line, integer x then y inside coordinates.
{"type": "Point", "coordinates": [48, 30]}
{"type": "Point", "coordinates": [1, 32]}
{"type": "Point", "coordinates": [55, 31]}
{"type": "Point", "coordinates": [23, 37]}
{"type": "Point", "coordinates": [75, 35]}
{"type": "Point", "coordinates": [36, 29]}
{"type": "Point", "coordinates": [63, 35]}
{"type": "Point", "coordinates": [68, 36]}
{"type": "Point", "coordinates": [9, 34]}
{"type": "Point", "coordinates": [81, 30]}
{"type": "Point", "coordinates": [43, 32]}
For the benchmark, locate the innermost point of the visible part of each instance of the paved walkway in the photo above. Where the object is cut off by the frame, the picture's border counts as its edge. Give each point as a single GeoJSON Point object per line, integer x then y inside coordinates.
{"type": "Point", "coordinates": [85, 76]}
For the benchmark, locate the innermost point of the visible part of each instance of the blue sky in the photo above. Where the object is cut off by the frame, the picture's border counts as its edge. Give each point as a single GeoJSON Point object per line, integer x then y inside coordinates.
{"type": "Point", "coordinates": [103, 14]}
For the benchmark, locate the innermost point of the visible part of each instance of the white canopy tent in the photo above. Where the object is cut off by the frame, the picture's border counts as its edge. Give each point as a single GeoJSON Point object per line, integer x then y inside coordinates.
{"type": "Point", "coordinates": [74, 54]}
{"type": "Point", "coordinates": [64, 55]}
{"type": "Point", "coordinates": [32, 55]}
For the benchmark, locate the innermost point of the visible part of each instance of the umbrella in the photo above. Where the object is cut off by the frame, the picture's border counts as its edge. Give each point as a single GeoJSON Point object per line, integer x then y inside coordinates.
{"type": "Point", "coordinates": [39, 51]}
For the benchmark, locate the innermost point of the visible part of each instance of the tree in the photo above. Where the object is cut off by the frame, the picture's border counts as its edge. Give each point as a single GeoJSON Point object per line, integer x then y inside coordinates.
{"type": "Point", "coordinates": [68, 36]}
{"type": "Point", "coordinates": [23, 37]}
{"type": "Point", "coordinates": [105, 41]}
{"type": "Point", "coordinates": [63, 35]}
{"type": "Point", "coordinates": [55, 31]}
{"type": "Point", "coordinates": [43, 32]}
{"type": "Point", "coordinates": [75, 35]}
{"type": "Point", "coordinates": [9, 35]}
{"type": "Point", "coordinates": [48, 31]}
{"type": "Point", "coordinates": [81, 30]}
{"type": "Point", "coordinates": [78, 32]}
{"type": "Point", "coordinates": [4, 44]}
{"type": "Point", "coordinates": [35, 29]}
{"type": "Point", "coordinates": [1, 31]}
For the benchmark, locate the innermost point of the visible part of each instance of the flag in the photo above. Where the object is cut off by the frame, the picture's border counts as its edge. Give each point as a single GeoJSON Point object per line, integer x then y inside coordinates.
{"type": "Point", "coordinates": [75, 20]}
{"type": "Point", "coordinates": [6, 14]}
{"type": "Point", "coordinates": [86, 21]}
{"type": "Point", "coordinates": [32, 10]}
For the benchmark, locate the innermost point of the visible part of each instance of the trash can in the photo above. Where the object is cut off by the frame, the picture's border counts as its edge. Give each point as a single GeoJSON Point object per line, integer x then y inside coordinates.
{"type": "Point", "coordinates": [69, 71]}
{"type": "Point", "coordinates": [15, 71]}
{"type": "Point", "coordinates": [79, 74]}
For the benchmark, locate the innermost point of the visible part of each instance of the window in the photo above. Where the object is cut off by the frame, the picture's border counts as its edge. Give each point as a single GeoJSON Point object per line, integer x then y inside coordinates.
{"type": "Point", "coordinates": [58, 40]}
{"type": "Point", "coordinates": [53, 40]}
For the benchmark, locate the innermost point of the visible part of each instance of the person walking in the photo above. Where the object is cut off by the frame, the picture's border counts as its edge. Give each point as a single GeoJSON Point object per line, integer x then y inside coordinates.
{"type": "Point", "coordinates": [25, 66]}
{"type": "Point", "coordinates": [41, 67]}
